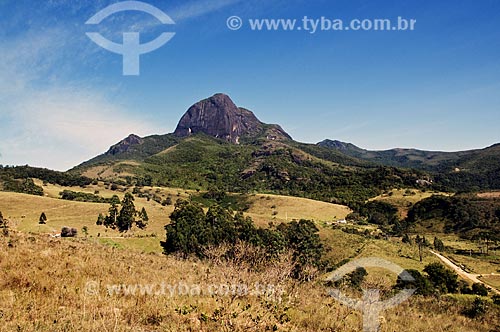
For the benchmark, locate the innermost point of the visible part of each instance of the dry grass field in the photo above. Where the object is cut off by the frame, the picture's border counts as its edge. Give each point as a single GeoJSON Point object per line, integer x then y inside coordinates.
{"type": "Point", "coordinates": [24, 211]}
{"type": "Point", "coordinates": [265, 208]}
{"type": "Point", "coordinates": [404, 198]}
{"type": "Point", "coordinates": [65, 285]}
{"type": "Point", "coordinates": [54, 284]}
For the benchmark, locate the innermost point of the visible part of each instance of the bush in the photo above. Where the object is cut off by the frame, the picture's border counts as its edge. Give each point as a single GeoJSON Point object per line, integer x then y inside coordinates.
{"type": "Point", "coordinates": [422, 285]}
{"type": "Point", "coordinates": [4, 225]}
{"type": "Point", "coordinates": [438, 244]}
{"type": "Point", "coordinates": [444, 280]}
{"type": "Point", "coordinates": [478, 309]}
{"type": "Point", "coordinates": [357, 277]}
{"type": "Point", "coordinates": [69, 232]}
{"type": "Point", "coordinates": [192, 231]}
{"type": "Point", "coordinates": [479, 289]}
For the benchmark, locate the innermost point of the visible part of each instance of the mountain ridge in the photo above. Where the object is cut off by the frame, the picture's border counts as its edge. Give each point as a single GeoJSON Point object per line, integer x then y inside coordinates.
{"type": "Point", "coordinates": [217, 143]}
{"type": "Point", "coordinates": [404, 157]}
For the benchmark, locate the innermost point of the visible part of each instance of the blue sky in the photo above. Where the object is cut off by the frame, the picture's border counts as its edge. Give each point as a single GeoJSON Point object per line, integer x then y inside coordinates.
{"type": "Point", "coordinates": [63, 99]}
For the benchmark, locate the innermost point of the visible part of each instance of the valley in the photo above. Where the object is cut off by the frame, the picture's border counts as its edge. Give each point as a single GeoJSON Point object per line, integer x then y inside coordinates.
{"type": "Point", "coordinates": [229, 200]}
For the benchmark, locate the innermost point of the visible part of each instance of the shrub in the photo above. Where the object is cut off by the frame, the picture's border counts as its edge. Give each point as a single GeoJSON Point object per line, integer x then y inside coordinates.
{"type": "Point", "coordinates": [69, 232]}
{"type": "Point", "coordinates": [125, 218]}
{"type": "Point", "coordinates": [422, 285]}
{"type": "Point", "coordinates": [479, 289]}
{"type": "Point", "coordinates": [438, 244]}
{"type": "Point", "coordinates": [478, 309]}
{"type": "Point", "coordinates": [444, 280]}
{"type": "Point", "coordinates": [4, 225]}
{"type": "Point", "coordinates": [192, 231]}
{"type": "Point", "coordinates": [357, 277]}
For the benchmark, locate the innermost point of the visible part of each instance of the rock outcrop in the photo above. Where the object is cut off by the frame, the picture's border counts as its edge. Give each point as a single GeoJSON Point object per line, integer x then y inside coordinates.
{"type": "Point", "coordinates": [124, 145]}
{"type": "Point", "coordinates": [219, 117]}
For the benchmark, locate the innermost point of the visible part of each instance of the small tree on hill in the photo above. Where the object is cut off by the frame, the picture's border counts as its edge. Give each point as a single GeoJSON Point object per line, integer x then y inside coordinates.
{"type": "Point", "coordinates": [123, 219]}
{"type": "Point", "coordinates": [112, 217]}
{"type": "Point", "coordinates": [100, 220]}
{"type": "Point", "coordinates": [479, 289]}
{"type": "Point", "coordinates": [142, 223]}
{"type": "Point", "coordinates": [43, 219]}
{"type": "Point", "coordinates": [85, 231]}
{"type": "Point", "coordinates": [167, 201]}
{"type": "Point", "coordinates": [422, 285]}
{"type": "Point", "coordinates": [357, 277]}
{"type": "Point", "coordinates": [126, 218]}
{"type": "Point", "coordinates": [438, 244]}
{"type": "Point", "coordinates": [444, 280]}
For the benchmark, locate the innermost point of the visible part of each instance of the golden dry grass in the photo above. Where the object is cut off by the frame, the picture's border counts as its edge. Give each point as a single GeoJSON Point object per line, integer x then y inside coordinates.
{"type": "Point", "coordinates": [108, 171]}
{"type": "Point", "coordinates": [55, 285]}
{"type": "Point", "coordinates": [493, 280]}
{"type": "Point", "coordinates": [24, 211]}
{"type": "Point", "coordinates": [289, 208]}
{"type": "Point", "coordinates": [402, 200]}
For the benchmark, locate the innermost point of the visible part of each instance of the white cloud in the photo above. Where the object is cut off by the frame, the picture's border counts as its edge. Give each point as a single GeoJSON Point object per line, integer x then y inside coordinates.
{"type": "Point", "coordinates": [60, 128]}
{"type": "Point", "coordinates": [194, 9]}
{"type": "Point", "coordinates": [45, 118]}
{"type": "Point", "coordinates": [48, 120]}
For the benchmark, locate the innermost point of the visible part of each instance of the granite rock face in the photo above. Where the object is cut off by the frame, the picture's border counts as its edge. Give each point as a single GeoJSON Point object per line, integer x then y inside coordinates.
{"type": "Point", "coordinates": [124, 145]}
{"type": "Point", "coordinates": [219, 117]}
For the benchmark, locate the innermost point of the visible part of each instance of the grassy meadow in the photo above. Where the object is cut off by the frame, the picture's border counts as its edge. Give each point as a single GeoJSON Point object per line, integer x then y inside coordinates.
{"type": "Point", "coordinates": [62, 284]}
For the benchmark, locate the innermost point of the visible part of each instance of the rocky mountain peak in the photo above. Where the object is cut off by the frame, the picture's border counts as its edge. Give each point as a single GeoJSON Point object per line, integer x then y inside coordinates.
{"type": "Point", "coordinates": [219, 117]}
{"type": "Point", "coordinates": [124, 145]}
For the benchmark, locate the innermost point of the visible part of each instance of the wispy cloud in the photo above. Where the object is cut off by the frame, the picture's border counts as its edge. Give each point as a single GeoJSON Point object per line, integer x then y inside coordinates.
{"type": "Point", "coordinates": [193, 9]}
{"type": "Point", "coordinates": [61, 127]}
{"type": "Point", "coordinates": [47, 118]}
{"type": "Point", "coordinates": [50, 116]}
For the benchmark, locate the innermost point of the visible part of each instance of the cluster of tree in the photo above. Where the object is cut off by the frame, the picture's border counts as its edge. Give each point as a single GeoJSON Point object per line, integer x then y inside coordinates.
{"type": "Point", "coordinates": [463, 214]}
{"type": "Point", "coordinates": [83, 197]}
{"type": "Point", "coordinates": [466, 181]}
{"type": "Point", "coordinates": [192, 231]}
{"type": "Point", "coordinates": [417, 240]}
{"type": "Point", "coordinates": [439, 280]}
{"type": "Point", "coordinates": [61, 178]}
{"type": "Point", "coordinates": [124, 218]}
{"type": "Point", "coordinates": [24, 186]}
{"type": "Point", "coordinates": [215, 193]}
{"type": "Point", "coordinates": [377, 212]}
{"type": "Point", "coordinates": [207, 162]}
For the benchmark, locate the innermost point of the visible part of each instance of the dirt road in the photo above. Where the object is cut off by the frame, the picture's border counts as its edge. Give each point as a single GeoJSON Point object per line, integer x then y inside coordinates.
{"type": "Point", "coordinates": [465, 275]}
